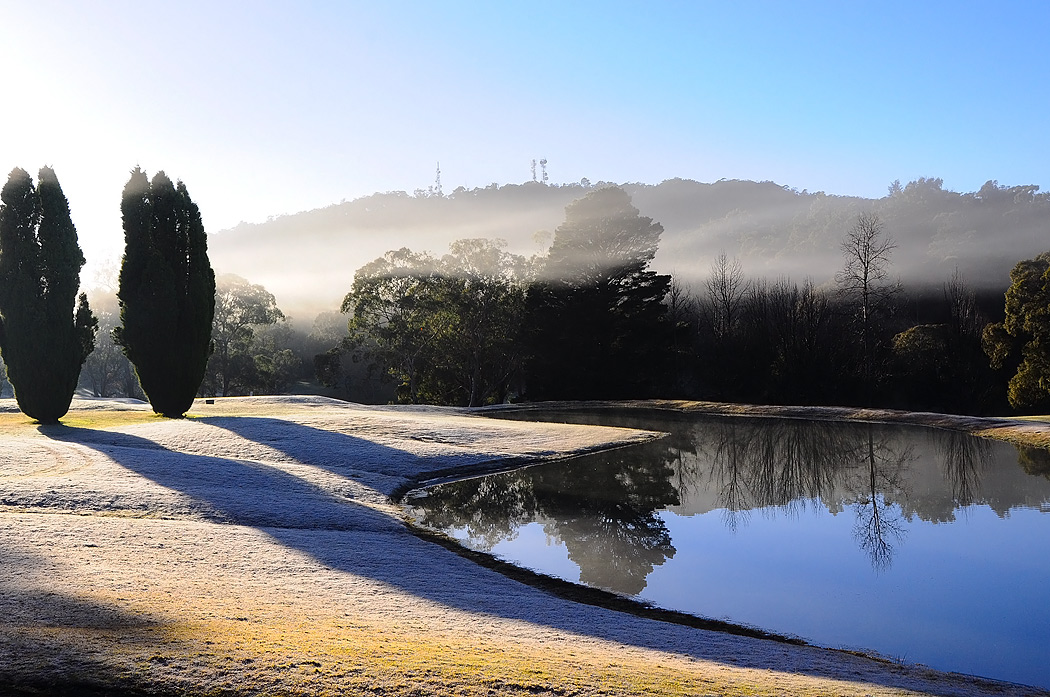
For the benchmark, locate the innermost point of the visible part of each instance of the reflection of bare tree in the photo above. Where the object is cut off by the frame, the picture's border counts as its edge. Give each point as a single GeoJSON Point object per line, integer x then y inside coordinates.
{"type": "Point", "coordinates": [879, 525]}
{"type": "Point", "coordinates": [963, 461]}
{"type": "Point", "coordinates": [729, 469]}
{"type": "Point", "coordinates": [797, 461]}
{"type": "Point", "coordinates": [785, 464]}
{"type": "Point", "coordinates": [773, 463]}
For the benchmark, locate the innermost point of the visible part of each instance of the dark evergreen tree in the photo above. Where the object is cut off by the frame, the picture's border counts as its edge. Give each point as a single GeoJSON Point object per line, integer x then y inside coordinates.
{"type": "Point", "coordinates": [46, 332]}
{"type": "Point", "coordinates": [1021, 342]}
{"type": "Point", "coordinates": [167, 292]}
{"type": "Point", "coordinates": [597, 316]}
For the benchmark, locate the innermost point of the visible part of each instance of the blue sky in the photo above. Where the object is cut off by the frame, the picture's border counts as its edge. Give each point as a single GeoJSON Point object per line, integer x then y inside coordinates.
{"type": "Point", "coordinates": [265, 108]}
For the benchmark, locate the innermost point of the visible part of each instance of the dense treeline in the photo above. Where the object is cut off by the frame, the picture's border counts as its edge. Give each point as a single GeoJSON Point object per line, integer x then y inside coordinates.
{"type": "Point", "coordinates": [792, 343]}
{"type": "Point", "coordinates": [591, 320]}
{"type": "Point", "coordinates": [255, 350]}
{"type": "Point", "coordinates": [481, 325]}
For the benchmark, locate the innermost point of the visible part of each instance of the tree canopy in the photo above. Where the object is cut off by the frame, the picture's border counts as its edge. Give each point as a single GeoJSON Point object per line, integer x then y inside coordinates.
{"type": "Point", "coordinates": [240, 307]}
{"type": "Point", "coordinates": [46, 331]}
{"type": "Point", "coordinates": [597, 311]}
{"type": "Point", "coordinates": [446, 330]}
{"type": "Point", "coordinates": [1021, 341]}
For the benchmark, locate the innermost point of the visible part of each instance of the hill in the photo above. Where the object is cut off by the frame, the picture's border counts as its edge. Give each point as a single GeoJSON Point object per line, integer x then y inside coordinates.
{"type": "Point", "coordinates": [308, 259]}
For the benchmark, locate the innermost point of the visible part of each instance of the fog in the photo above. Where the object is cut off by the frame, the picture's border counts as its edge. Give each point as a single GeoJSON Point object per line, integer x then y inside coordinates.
{"type": "Point", "coordinates": [307, 260]}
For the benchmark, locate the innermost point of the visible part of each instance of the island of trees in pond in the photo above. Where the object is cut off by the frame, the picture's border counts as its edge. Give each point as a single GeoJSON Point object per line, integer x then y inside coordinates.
{"type": "Point", "coordinates": [590, 317]}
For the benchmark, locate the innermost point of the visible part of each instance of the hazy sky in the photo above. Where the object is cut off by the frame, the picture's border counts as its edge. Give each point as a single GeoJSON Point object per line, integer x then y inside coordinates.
{"type": "Point", "coordinates": [265, 108]}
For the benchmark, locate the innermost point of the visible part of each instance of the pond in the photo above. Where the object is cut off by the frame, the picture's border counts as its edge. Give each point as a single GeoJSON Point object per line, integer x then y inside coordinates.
{"type": "Point", "coordinates": [922, 545]}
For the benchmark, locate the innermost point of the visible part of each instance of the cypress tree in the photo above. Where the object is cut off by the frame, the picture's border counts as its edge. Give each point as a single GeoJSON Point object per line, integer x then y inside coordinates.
{"type": "Point", "coordinates": [44, 340]}
{"type": "Point", "coordinates": [167, 292]}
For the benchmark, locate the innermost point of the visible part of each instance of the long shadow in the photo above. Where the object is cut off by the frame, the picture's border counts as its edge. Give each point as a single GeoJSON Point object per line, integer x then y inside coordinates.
{"type": "Point", "coordinates": [302, 516]}
{"type": "Point", "coordinates": [35, 656]}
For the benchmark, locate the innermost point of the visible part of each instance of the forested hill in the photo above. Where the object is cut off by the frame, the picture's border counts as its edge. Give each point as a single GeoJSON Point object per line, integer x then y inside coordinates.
{"type": "Point", "coordinates": [308, 259]}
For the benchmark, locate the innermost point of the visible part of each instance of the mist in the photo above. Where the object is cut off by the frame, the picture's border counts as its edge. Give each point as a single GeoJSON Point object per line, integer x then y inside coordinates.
{"type": "Point", "coordinates": [307, 260]}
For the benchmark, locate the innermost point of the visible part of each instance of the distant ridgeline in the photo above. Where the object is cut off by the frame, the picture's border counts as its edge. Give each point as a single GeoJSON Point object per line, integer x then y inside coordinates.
{"type": "Point", "coordinates": [308, 259]}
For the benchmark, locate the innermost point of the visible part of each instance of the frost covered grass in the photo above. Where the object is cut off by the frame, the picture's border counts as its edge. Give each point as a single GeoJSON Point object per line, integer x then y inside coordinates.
{"type": "Point", "coordinates": [102, 413]}
{"type": "Point", "coordinates": [253, 549]}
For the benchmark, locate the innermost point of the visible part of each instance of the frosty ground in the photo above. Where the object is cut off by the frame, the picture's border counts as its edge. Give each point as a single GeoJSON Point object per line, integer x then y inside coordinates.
{"type": "Point", "coordinates": [254, 549]}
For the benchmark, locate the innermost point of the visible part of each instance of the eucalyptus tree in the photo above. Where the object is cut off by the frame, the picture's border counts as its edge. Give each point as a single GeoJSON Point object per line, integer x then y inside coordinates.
{"type": "Point", "coordinates": [167, 292]}
{"type": "Point", "coordinates": [446, 330]}
{"type": "Point", "coordinates": [46, 330]}
{"type": "Point", "coordinates": [240, 307]}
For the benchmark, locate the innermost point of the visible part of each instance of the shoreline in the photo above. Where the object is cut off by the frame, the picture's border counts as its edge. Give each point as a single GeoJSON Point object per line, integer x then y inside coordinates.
{"type": "Point", "coordinates": [1028, 430]}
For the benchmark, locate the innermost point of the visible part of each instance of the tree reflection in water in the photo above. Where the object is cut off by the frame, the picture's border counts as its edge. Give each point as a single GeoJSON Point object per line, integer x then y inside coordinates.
{"type": "Point", "coordinates": [964, 460]}
{"type": "Point", "coordinates": [605, 507]}
{"type": "Point", "coordinates": [788, 465]}
{"type": "Point", "coordinates": [767, 463]}
{"type": "Point", "coordinates": [879, 524]}
{"type": "Point", "coordinates": [602, 507]}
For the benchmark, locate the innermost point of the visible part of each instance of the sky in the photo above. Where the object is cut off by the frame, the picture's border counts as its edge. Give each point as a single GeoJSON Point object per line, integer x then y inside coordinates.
{"type": "Point", "coordinates": [269, 108]}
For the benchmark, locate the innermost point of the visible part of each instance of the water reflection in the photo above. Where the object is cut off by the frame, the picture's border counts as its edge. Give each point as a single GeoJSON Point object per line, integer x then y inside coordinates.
{"type": "Point", "coordinates": [878, 527]}
{"type": "Point", "coordinates": [603, 509]}
{"type": "Point", "coordinates": [607, 508]}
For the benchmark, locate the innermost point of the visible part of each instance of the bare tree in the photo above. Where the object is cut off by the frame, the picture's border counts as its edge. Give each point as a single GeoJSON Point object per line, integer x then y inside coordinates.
{"type": "Point", "coordinates": [864, 281]}
{"type": "Point", "coordinates": [879, 526]}
{"type": "Point", "coordinates": [966, 319]}
{"type": "Point", "coordinates": [681, 305]}
{"type": "Point", "coordinates": [725, 287]}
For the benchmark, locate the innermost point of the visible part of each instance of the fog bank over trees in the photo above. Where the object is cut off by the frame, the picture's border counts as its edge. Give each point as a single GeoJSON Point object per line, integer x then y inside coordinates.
{"type": "Point", "coordinates": [308, 259]}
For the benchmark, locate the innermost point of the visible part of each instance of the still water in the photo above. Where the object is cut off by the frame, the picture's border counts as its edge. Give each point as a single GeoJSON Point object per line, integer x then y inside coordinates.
{"type": "Point", "coordinates": [922, 545]}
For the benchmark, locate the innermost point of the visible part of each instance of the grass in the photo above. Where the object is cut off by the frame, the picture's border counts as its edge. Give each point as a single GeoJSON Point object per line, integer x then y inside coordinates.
{"type": "Point", "coordinates": [325, 654]}
{"type": "Point", "coordinates": [16, 423]}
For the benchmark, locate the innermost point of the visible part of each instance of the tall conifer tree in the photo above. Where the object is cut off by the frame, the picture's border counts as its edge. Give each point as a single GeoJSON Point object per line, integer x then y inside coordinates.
{"type": "Point", "coordinates": [46, 333]}
{"type": "Point", "coordinates": [167, 292]}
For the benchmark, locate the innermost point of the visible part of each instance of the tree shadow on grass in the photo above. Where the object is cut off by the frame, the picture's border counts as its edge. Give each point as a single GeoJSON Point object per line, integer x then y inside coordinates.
{"type": "Point", "coordinates": [348, 455]}
{"type": "Point", "coordinates": [36, 654]}
{"type": "Point", "coordinates": [362, 541]}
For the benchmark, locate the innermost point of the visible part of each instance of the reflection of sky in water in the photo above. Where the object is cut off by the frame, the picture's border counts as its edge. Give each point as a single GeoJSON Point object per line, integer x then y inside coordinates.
{"type": "Point", "coordinates": [948, 600]}
{"type": "Point", "coordinates": [534, 549]}
{"type": "Point", "coordinates": [965, 593]}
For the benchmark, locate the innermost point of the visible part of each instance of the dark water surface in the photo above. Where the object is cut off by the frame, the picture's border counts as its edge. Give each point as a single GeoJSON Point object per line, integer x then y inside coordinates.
{"type": "Point", "coordinates": [923, 545]}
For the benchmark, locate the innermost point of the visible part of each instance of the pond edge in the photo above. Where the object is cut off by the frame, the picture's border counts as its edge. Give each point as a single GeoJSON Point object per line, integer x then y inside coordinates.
{"type": "Point", "coordinates": [1026, 431]}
